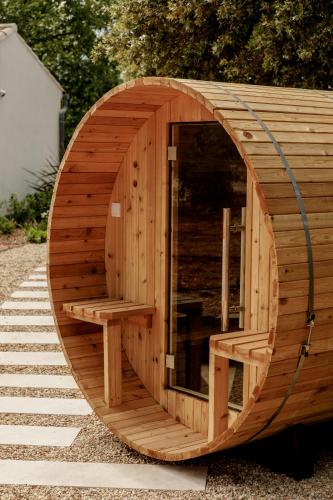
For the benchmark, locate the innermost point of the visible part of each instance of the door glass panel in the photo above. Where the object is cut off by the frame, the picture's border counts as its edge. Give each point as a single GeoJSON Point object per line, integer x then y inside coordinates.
{"type": "Point", "coordinates": [207, 177]}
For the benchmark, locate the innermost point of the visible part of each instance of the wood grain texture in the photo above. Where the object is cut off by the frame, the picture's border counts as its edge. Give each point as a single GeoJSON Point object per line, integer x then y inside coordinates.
{"type": "Point", "coordinates": [118, 155]}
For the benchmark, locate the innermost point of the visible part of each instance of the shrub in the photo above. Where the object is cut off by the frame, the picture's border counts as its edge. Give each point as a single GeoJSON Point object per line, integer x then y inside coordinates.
{"type": "Point", "coordinates": [32, 211]}
{"type": "Point", "coordinates": [32, 208]}
{"type": "Point", "coordinates": [35, 234]}
{"type": "Point", "coordinates": [7, 226]}
{"type": "Point", "coordinates": [19, 210]}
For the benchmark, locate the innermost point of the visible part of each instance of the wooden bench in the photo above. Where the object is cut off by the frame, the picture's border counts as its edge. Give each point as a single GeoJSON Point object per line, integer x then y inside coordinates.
{"type": "Point", "coordinates": [248, 347]}
{"type": "Point", "coordinates": [110, 313]}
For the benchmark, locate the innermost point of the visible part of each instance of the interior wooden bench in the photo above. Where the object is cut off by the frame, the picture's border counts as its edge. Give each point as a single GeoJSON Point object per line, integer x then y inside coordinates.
{"type": "Point", "coordinates": [248, 347]}
{"type": "Point", "coordinates": [111, 313]}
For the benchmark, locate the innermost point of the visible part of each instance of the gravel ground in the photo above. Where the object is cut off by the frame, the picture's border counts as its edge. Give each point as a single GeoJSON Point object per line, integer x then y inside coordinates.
{"type": "Point", "coordinates": [16, 264]}
{"type": "Point", "coordinates": [16, 239]}
{"type": "Point", "coordinates": [236, 474]}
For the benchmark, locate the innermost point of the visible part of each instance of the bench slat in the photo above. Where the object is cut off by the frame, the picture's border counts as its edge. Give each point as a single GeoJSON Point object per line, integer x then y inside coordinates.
{"type": "Point", "coordinates": [106, 309]}
{"type": "Point", "coordinates": [245, 346]}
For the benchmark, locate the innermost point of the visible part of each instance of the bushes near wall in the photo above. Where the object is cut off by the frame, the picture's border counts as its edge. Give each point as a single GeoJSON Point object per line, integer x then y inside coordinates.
{"type": "Point", "coordinates": [30, 214]}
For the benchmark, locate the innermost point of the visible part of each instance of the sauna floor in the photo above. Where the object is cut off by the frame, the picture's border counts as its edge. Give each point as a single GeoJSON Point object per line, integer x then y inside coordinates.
{"type": "Point", "coordinates": [140, 421]}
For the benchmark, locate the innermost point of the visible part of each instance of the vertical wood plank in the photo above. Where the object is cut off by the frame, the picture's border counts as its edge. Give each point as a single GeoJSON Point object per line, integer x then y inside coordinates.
{"type": "Point", "coordinates": [225, 270]}
{"type": "Point", "coordinates": [151, 365]}
{"type": "Point", "coordinates": [264, 276]}
{"type": "Point", "coordinates": [255, 260]}
{"type": "Point", "coordinates": [162, 241]}
{"type": "Point", "coordinates": [112, 363]}
{"type": "Point", "coordinates": [218, 395]}
{"type": "Point", "coordinates": [248, 253]}
{"type": "Point", "coordinates": [242, 270]}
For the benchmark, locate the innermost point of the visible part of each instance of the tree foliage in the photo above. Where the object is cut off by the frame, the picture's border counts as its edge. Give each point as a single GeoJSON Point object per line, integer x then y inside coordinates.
{"type": "Point", "coordinates": [281, 42]}
{"type": "Point", "coordinates": [62, 34]}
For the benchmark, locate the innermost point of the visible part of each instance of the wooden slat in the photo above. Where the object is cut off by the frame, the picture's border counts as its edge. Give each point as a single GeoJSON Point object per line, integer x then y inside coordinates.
{"type": "Point", "coordinates": [290, 205]}
{"type": "Point", "coordinates": [58, 271]}
{"type": "Point", "coordinates": [273, 116]}
{"type": "Point", "coordinates": [299, 254]}
{"type": "Point", "coordinates": [301, 287]}
{"type": "Point", "coordinates": [85, 199]}
{"type": "Point", "coordinates": [298, 304]}
{"type": "Point", "coordinates": [84, 189]}
{"type": "Point", "coordinates": [296, 238]}
{"type": "Point", "coordinates": [112, 364]}
{"type": "Point", "coordinates": [301, 175]}
{"type": "Point", "coordinates": [115, 113]}
{"type": "Point", "coordinates": [291, 222]}
{"type": "Point", "coordinates": [243, 348]}
{"type": "Point", "coordinates": [71, 247]}
{"type": "Point", "coordinates": [286, 137]}
{"type": "Point", "coordinates": [218, 395]}
{"type": "Point", "coordinates": [307, 189]}
{"type": "Point", "coordinates": [116, 122]}
{"type": "Point", "coordinates": [78, 222]}
{"type": "Point", "coordinates": [225, 270]}
{"type": "Point", "coordinates": [225, 104]}
{"type": "Point", "coordinates": [102, 147]}
{"type": "Point", "coordinates": [87, 177]}
{"type": "Point", "coordinates": [293, 272]}
{"type": "Point", "coordinates": [276, 126]}
{"type": "Point", "coordinates": [84, 257]}
{"type": "Point", "coordinates": [299, 149]}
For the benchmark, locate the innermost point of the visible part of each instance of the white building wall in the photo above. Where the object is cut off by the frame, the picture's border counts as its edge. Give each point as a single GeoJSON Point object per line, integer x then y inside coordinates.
{"type": "Point", "coordinates": [29, 117]}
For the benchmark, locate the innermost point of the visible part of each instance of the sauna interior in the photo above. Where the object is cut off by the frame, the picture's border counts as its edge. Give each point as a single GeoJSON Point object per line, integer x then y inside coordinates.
{"type": "Point", "coordinates": [163, 267]}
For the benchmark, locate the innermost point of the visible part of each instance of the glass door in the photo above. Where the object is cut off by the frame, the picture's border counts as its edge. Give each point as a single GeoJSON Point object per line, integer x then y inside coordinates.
{"type": "Point", "coordinates": [207, 194]}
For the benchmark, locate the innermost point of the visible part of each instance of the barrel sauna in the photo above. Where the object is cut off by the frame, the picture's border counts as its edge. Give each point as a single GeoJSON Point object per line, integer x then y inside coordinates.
{"type": "Point", "coordinates": [191, 262]}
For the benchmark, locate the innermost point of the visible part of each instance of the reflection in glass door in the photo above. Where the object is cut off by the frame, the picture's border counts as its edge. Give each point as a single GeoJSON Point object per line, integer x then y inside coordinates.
{"type": "Point", "coordinates": [207, 200]}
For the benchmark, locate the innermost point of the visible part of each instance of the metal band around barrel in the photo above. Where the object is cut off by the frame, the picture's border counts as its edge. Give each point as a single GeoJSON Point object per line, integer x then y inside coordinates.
{"type": "Point", "coordinates": [311, 314]}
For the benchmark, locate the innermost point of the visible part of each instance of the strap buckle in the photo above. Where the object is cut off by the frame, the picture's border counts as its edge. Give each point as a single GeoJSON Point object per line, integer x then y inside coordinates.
{"type": "Point", "coordinates": [305, 349]}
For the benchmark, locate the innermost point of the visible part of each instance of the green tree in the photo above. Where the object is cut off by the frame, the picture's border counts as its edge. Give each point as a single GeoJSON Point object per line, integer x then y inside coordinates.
{"type": "Point", "coordinates": [62, 33]}
{"type": "Point", "coordinates": [281, 42]}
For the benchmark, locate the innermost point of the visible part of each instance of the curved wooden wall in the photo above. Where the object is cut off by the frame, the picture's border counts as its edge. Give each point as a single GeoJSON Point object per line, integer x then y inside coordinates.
{"type": "Point", "coordinates": [110, 136]}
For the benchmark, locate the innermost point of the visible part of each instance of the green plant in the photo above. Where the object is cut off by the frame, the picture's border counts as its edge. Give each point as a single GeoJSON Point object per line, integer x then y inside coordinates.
{"type": "Point", "coordinates": [32, 211]}
{"type": "Point", "coordinates": [45, 179]}
{"type": "Point", "coordinates": [263, 42]}
{"type": "Point", "coordinates": [20, 211]}
{"type": "Point", "coordinates": [7, 226]}
{"type": "Point", "coordinates": [34, 207]}
{"type": "Point", "coordinates": [36, 234]}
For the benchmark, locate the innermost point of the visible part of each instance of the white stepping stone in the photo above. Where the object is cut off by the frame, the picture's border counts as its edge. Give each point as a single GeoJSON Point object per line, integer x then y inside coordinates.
{"type": "Point", "coordinates": [25, 305]}
{"type": "Point", "coordinates": [28, 338]}
{"type": "Point", "coordinates": [26, 320]}
{"type": "Point", "coordinates": [44, 406]}
{"type": "Point", "coordinates": [41, 269]}
{"type": "Point", "coordinates": [34, 435]}
{"type": "Point", "coordinates": [37, 277]}
{"type": "Point", "coordinates": [33, 284]}
{"type": "Point", "coordinates": [29, 294]}
{"type": "Point", "coordinates": [103, 475]}
{"type": "Point", "coordinates": [42, 381]}
{"type": "Point", "coordinates": [27, 358]}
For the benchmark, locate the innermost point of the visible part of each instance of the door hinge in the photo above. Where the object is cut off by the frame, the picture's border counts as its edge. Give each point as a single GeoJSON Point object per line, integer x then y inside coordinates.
{"type": "Point", "coordinates": [170, 361]}
{"type": "Point", "coordinates": [172, 153]}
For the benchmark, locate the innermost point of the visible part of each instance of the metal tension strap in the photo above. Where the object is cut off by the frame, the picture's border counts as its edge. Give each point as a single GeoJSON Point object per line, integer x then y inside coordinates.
{"type": "Point", "coordinates": [310, 315]}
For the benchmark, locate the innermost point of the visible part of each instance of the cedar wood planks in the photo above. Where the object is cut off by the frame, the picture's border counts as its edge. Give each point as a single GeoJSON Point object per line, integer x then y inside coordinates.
{"type": "Point", "coordinates": [303, 122]}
